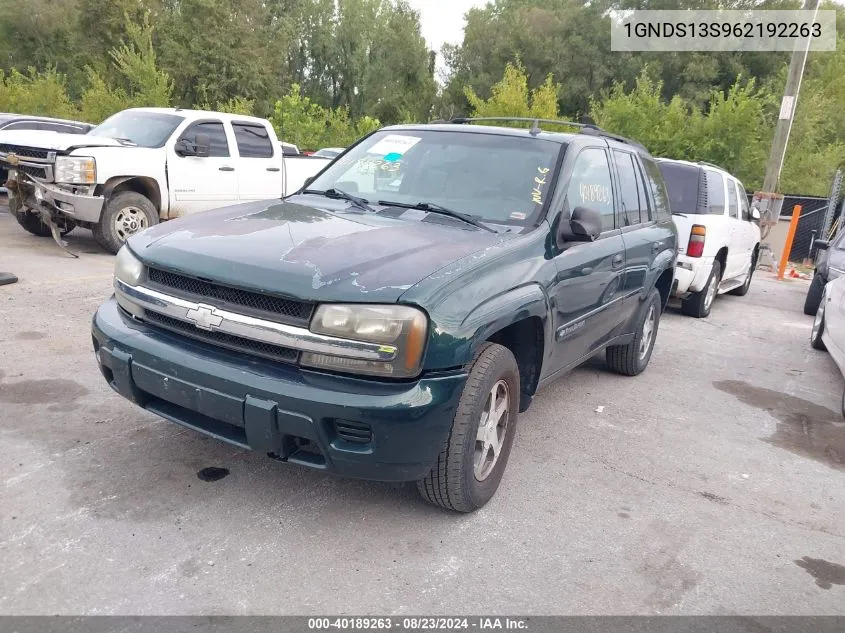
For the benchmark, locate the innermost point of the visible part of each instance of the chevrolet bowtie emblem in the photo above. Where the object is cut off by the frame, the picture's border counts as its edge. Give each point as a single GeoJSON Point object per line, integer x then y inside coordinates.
{"type": "Point", "coordinates": [204, 317]}
{"type": "Point", "coordinates": [12, 159]}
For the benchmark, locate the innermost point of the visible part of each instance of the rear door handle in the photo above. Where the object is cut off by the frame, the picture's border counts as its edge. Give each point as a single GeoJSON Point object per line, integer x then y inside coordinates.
{"type": "Point", "coordinates": [226, 168]}
{"type": "Point", "coordinates": [617, 262]}
{"type": "Point", "coordinates": [273, 169]}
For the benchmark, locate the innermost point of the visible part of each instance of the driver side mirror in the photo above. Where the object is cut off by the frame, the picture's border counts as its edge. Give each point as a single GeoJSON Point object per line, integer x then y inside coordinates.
{"type": "Point", "coordinates": [755, 214]}
{"type": "Point", "coordinates": [200, 146]}
{"type": "Point", "coordinates": [584, 226]}
{"type": "Point", "coordinates": [822, 245]}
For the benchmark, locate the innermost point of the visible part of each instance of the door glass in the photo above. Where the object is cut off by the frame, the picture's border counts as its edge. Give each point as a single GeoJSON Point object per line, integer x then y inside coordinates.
{"type": "Point", "coordinates": [253, 141]}
{"type": "Point", "coordinates": [743, 202]}
{"type": "Point", "coordinates": [628, 188]}
{"type": "Point", "coordinates": [733, 209]}
{"type": "Point", "coordinates": [645, 205]}
{"type": "Point", "coordinates": [658, 190]}
{"type": "Point", "coordinates": [218, 145]}
{"type": "Point", "coordinates": [590, 185]}
{"type": "Point", "coordinates": [715, 192]}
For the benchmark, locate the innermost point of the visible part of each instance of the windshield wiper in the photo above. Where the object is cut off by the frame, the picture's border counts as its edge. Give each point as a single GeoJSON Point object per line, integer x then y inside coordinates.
{"type": "Point", "coordinates": [436, 208]}
{"type": "Point", "coordinates": [337, 194]}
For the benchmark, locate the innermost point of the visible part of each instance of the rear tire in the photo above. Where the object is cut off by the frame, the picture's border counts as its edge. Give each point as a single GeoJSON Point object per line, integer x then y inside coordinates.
{"type": "Point", "coordinates": [632, 359]}
{"type": "Point", "coordinates": [125, 214]}
{"type": "Point", "coordinates": [32, 223]}
{"type": "Point", "coordinates": [468, 468]}
{"type": "Point", "coordinates": [814, 295]}
{"type": "Point", "coordinates": [699, 304]}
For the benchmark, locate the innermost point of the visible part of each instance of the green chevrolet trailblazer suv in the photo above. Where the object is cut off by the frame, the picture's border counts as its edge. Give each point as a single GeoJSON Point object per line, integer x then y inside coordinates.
{"type": "Point", "coordinates": [390, 320]}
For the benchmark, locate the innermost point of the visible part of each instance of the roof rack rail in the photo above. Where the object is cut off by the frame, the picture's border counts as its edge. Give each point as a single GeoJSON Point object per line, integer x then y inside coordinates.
{"type": "Point", "coordinates": [586, 128]}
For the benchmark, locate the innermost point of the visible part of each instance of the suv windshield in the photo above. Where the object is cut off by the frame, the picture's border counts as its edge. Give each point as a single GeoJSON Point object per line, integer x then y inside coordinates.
{"type": "Point", "coordinates": [503, 179]}
{"type": "Point", "coordinates": [145, 129]}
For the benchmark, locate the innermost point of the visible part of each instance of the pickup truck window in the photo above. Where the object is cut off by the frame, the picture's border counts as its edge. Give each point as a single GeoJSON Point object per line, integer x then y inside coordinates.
{"type": "Point", "coordinates": [218, 145]}
{"type": "Point", "coordinates": [590, 185]}
{"type": "Point", "coordinates": [253, 141]}
{"type": "Point", "coordinates": [145, 129]}
{"type": "Point", "coordinates": [505, 179]}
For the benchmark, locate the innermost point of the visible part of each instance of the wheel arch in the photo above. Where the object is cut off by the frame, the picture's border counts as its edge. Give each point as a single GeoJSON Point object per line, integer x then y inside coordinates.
{"type": "Point", "coordinates": [146, 186]}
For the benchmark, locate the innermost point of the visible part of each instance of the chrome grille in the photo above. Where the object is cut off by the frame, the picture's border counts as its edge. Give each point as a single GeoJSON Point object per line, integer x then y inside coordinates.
{"type": "Point", "coordinates": [25, 152]}
{"type": "Point", "coordinates": [220, 339]}
{"type": "Point", "coordinates": [256, 303]}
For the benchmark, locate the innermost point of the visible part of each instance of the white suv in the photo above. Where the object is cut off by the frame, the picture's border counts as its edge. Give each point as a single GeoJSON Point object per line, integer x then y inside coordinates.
{"type": "Point", "coordinates": [718, 235]}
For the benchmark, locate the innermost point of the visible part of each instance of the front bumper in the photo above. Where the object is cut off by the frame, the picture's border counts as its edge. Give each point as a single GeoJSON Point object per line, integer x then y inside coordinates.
{"type": "Point", "coordinates": [691, 273]}
{"type": "Point", "coordinates": [33, 193]}
{"type": "Point", "coordinates": [300, 416]}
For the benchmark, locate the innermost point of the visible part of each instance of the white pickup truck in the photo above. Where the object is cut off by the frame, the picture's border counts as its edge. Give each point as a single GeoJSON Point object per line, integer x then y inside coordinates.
{"type": "Point", "coordinates": [142, 166]}
{"type": "Point", "coordinates": [718, 235]}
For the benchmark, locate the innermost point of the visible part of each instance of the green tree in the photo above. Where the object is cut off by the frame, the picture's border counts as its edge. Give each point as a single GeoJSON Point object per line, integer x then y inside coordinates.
{"type": "Point", "coordinates": [35, 93]}
{"type": "Point", "coordinates": [511, 97]}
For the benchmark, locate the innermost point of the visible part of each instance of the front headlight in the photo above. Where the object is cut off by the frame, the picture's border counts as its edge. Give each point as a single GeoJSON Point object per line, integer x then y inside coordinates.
{"type": "Point", "coordinates": [76, 170]}
{"type": "Point", "coordinates": [399, 328]}
{"type": "Point", "coordinates": [129, 270]}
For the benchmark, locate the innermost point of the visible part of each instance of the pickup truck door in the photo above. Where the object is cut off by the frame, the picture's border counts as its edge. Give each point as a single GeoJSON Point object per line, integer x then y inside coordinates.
{"type": "Point", "coordinates": [200, 183]}
{"type": "Point", "coordinates": [587, 290]}
{"type": "Point", "coordinates": [260, 175]}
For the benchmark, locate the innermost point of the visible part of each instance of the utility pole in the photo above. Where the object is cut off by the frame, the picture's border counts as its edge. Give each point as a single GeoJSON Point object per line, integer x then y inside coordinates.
{"type": "Point", "coordinates": [787, 111]}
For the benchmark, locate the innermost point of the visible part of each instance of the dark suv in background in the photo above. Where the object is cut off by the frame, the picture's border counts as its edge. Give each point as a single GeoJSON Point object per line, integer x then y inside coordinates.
{"type": "Point", "coordinates": [391, 320]}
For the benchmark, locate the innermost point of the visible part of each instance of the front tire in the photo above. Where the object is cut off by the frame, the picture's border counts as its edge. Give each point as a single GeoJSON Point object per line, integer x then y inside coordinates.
{"type": "Point", "coordinates": [814, 295]}
{"type": "Point", "coordinates": [632, 359]}
{"type": "Point", "coordinates": [32, 223]}
{"type": "Point", "coordinates": [816, 333]}
{"type": "Point", "coordinates": [743, 289]}
{"type": "Point", "coordinates": [698, 304]}
{"type": "Point", "coordinates": [472, 461]}
{"type": "Point", "coordinates": [125, 214]}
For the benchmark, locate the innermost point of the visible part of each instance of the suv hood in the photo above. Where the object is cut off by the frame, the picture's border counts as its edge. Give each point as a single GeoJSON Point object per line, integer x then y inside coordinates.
{"type": "Point", "coordinates": [330, 253]}
{"type": "Point", "coordinates": [58, 141]}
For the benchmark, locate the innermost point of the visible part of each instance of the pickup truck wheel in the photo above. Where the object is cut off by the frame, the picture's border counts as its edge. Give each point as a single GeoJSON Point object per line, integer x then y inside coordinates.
{"type": "Point", "coordinates": [473, 458]}
{"type": "Point", "coordinates": [632, 359]}
{"type": "Point", "coordinates": [814, 294]}
{"type": "Point", "coordinates": [698, 304]}
{"type": "Point", "coordinates": [125, 214]}
{"type": "Point", "coordinates": [32, 223]}
{"type": "Point", "coordinates": [816, 341]}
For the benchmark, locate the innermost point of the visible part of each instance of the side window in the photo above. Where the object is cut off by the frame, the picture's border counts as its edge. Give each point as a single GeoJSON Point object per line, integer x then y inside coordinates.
{"type": "Point", "coordinates": [590, 185]}
{"type": "Point", "coordinates": [658, 190]}
{"type": "Point", "coordinates": [218, 145]}
{"type": "Point", "coordinates": [253, 141]}
{"type": "Point", "coordinates": [645, 205]}
{"type": "Point", "coordinates": [743, 202]}
{"type": "Point", "coordinates": [628, 189]}
{"type": "Point", "coordinates": [715, 192]}
{"type": "Point", "coordinates": [733, 207]}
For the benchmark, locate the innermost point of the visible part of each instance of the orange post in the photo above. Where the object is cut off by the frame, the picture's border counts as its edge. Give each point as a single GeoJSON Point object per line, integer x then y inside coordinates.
{"type": "Point", "coordinates": [790, 236]}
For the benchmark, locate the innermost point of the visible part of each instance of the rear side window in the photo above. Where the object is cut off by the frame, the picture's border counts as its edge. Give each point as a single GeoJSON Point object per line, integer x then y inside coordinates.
{"type": "Point", "coordinates": [682, 184]}
{"type": "Point", "coordinates": [715, 192]}
{"type": "Point", "coordinates": [733, 207]}
{"type": "Point", "coordinates": [218, 145]}
{"type": "Point", "coordinates": [658, 189]}
{"type": "Point", "coordinates": [253, 141]}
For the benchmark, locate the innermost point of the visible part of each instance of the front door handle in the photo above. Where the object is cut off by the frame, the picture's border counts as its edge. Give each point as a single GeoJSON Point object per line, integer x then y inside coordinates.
{"type": "Point", "coordinates": [226, 168]}
{"type": "Point", "coordinates": [617, 262]}
{"type": "Point", "coordinates": [273, 169]}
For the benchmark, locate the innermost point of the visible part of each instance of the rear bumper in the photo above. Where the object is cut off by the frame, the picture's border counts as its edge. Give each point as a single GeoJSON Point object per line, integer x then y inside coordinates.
{"type": "Point", "coordinates": [691, 274]}
{"type": "Point", "coordinates": [397, 429]}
